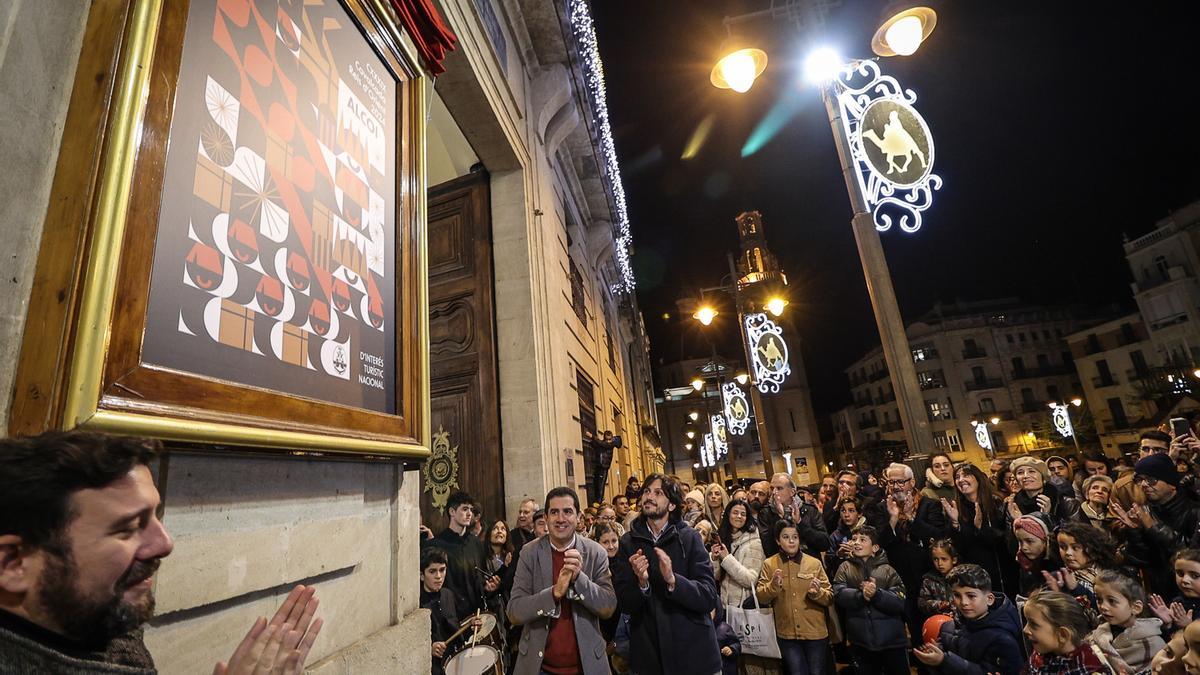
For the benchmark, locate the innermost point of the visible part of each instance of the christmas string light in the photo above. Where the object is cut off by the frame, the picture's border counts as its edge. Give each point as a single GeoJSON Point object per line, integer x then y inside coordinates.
{"type": "Point", "coordinates": [593, 75]}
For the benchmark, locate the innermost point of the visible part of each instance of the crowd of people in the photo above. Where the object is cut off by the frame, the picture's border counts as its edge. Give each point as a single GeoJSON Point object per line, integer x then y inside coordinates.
{"type": "Point", "coordinates": [1068, 564]}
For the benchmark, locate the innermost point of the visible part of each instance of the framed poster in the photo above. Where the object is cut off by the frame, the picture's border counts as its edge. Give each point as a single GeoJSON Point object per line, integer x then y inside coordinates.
{"type": "Point", "coordinates": [251, 270]}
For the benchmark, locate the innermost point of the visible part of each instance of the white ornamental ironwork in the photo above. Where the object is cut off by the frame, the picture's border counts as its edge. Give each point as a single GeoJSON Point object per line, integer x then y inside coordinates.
{"type": "Point", "coordinates": [706, 452]}
{"type": "Point", "coordinates": [720, 438]}
{"type": "Point", "coordinates": [890, 145]}
{"type": "Point", "coordinates": [982, 436]}
{"type": "Point", "coordinates": [737, 408]}
{"type": "Point", "coordinates": [1062, 420]}
{"type": "Point", "coordinates": [768, 353]}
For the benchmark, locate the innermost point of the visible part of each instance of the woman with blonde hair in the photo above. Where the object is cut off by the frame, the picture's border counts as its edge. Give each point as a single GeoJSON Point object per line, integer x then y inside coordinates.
{"type": "Point", "coordinates": [715, 501]}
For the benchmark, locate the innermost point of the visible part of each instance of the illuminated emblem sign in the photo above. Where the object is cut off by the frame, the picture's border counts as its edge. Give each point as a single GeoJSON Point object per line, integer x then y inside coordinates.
{"type": "Point", "coordinates": [1062, 420]}
{"type": "Point", "coordinates": [720, 439]}
{"type": "Point", "coordinates": [737, 408]}
{"type": "Point", "coordinates": [982, 436]}
{"type": "Point", "coordinates": [707, 457]}
{"type": "Point", "coordinates": [890, 146]}
{"type": "Point", "coordinates": [768, 352]}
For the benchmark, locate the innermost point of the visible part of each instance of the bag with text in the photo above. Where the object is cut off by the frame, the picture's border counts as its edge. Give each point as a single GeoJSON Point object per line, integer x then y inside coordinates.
{"type": "Point", "coordinates": [755, 629]}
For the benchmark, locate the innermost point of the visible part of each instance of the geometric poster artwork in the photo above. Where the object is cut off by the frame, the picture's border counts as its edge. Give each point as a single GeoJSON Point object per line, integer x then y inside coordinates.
{"type": "Point", "coordinates": [275, 260]}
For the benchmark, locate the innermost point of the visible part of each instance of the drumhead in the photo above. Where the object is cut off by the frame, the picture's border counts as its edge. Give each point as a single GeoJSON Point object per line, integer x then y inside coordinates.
{"type": "Point", "coordinates": [476, 660]}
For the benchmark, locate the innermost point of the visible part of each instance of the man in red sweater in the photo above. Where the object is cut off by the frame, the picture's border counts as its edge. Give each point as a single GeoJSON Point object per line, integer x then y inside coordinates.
{"type": "Point", "coordinates": [561, 590]}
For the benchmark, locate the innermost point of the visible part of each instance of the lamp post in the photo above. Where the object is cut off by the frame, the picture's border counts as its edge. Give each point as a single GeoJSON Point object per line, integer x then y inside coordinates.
{"type": "Point", "coordinates": [1060, 414]}
{"type": "Point", "coordinates": [901, 32]}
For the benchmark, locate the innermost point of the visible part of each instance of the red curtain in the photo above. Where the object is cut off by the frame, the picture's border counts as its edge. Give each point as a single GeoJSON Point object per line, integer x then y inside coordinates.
{"type": "Point", "coordinates": [432, 37]}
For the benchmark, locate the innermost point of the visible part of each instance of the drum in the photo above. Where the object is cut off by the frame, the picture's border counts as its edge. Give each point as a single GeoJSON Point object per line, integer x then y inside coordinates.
{"type": "Point", "coordinates": [480, 653]}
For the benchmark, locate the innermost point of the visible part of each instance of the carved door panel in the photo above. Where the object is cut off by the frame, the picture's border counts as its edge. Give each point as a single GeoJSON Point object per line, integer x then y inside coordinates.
{"type": "Point", "coordinates": [462, 342]}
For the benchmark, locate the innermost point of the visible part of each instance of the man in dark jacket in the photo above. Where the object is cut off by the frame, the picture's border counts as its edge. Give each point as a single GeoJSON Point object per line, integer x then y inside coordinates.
{"type": "Point", "coordinates": [664, 582]}
{"type": "Point", "coordinates": [986, 635]}
{"type": "Point", "coordinates": [912, 521]}
{"type": "Point", "coordinates": [466, 556]}
{"type": "Point", "coordinates": [80, 542]}
{"type": "Point", "coordinates": [1165, 524]}
{"type": "Point", "coordinates": [785, 505]}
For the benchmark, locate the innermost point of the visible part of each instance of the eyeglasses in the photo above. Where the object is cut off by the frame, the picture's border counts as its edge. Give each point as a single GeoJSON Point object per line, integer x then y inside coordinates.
{"type": "Point", "coordinates": [1146, 480]}
{"type": "Point", "coordinates": [898, 483]}
{"type": "Point", "coordinates": [1151, 448]}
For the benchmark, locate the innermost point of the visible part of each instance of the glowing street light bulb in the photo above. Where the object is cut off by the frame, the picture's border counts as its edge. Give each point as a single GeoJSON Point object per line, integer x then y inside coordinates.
{"type": "Point", "coordinates": [995, 420]}
{"type": "Point", "coordinates": [742, 377]}
{"type": "Point", "coordinates": [904, 36]}
{"type": "Point", "coordinates": [737, 70]}
{"type": "Point", "coordinates": [775, 305]}
{"type": "Point", "coordinates": [690, 433]}
{"type": "Point", "coordinates": [1076, 401]}
{"type": "Point", "coordinates": [694, 415]}
{"type": "Point", "coordinates": [705, 315]}
{"type": "Point", "coordinates": [697, 384]}
{"type": "Point", "coordinates": [687, 446]}
{"type": "Point", "coordinates": [822, 65]}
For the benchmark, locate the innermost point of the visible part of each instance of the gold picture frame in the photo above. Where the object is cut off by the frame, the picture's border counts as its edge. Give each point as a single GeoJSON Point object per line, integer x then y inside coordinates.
{"type": "Point", "coordinates": [81, 360]}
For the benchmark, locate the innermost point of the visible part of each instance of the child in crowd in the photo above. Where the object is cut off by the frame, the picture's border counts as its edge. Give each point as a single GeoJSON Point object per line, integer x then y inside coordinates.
{"type": "Point", "coordinates": [795, 585]}
{"type": "Point", "coordinates": [849, 517]}
{"type": "Point", "coordinates": [1123, 635]}
{"type": "Point", "coordinates": [727, 640]}
{"type": "Point", "coordinates": [872, 595]}
{"type": "Point", "coordinates": [1184, 606]}
{"type": "Point", "coordinates": [935, 589]}
{"type": "Point", "coordinates": [443, 619]}
{"type": "Point", "coordinates": [1056, 627]}
{"type": "Point", "coordinates": [986, 635]}
{"type": "Point", "coordinates": [1032, 533]}
{"type": "Point", "coordinates": [1085, 551]}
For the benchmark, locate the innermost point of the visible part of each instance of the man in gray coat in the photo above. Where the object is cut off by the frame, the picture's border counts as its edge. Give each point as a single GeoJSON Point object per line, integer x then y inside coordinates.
{"type": "Point", "coordinates": [561, 591]}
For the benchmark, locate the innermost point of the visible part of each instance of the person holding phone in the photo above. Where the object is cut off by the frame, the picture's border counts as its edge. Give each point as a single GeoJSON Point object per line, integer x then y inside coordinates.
{"type": "Point", "coordinates": [1164, 525]}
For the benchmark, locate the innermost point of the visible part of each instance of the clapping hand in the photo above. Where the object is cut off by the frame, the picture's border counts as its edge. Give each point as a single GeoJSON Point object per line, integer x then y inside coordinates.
{"type": "Point", "coordinates": [1180, 616]}
{"type": "Point", "coordinates": [868, 589]}
{"type": "Point", "coordinates": [814, 588]}
{"type": "Point", "coordinates": [1014, 510]}
{"type": "Point", "coordinates": [1062, 580]}
{"type": "Point", "coordinates": [951, 510]}
{"type": "Point", "coordinates": [641, 568]}
{"type": "Point", "coordinates": [1043, 503]}
{"type": "Point", "coordinates": [777, 580]}
{"type": "Point", "coordinates": [664, 567]}
{"type": "Point", "coordinates": [572, 561]}
{"type": "Point", "coordinates": [281, 645]}
{"type": "Point", "coordinates": [930, 654]}
{"type": "Point", "coordinates": [1127, 518]}
{"type": "Point", "coordinates": [1159, 608]}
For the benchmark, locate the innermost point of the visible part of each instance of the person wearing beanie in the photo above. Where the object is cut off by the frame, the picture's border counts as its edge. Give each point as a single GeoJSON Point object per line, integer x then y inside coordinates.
{"type": "Point", "coordinates": [1097, 492]}
{"type": "Point", "coordinates": [1037, 494]}
{"type": "Point", "coordinates": [1165, 524]}
{"type": "Point", "coordinates": [693, 506]}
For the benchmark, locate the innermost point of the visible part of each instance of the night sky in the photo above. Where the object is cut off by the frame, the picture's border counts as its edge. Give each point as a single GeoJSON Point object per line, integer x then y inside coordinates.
{"type": "Point", "coordinates": [1052, 142]}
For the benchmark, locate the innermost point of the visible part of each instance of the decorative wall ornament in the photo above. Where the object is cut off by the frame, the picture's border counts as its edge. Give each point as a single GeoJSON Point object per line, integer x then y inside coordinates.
{"type": "Point", "coordinates": [707, 455]}
{"type": "Point", "coordinates": [441, 471]}
{"type": "Point", "coordinates": [982, 436]}
{"type": "Point", "coordinates": [890, 145]}
{"type": "Point", "coordinates": [593, 75]}
{"type": "Point", "coordinates": [768, 353]}
{"type": "Point", "coordinates": [1062, 419]}
{"type": "Point", "coordinates": [737, 408]}
{"type": "Point", "coordinates": [720, 438]}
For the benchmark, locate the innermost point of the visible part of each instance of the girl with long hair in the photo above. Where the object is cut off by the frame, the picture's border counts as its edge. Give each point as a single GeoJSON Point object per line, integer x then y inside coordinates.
{"type": "Point", "coordinates": [737, 554]}
{"type": "Point", "coordinates": [715, 501]}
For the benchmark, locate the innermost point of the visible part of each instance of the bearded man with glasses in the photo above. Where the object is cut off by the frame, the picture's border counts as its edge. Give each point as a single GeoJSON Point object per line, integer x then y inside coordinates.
{"type": "Point", "coordinates": [1125, 492]}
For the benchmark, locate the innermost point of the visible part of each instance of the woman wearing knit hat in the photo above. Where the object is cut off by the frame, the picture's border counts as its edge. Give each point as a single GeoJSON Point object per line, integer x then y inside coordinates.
{"type": "Point", "coordinates": [1038, 495]}
{"type": "Point", "coordinates": [1097, 490]}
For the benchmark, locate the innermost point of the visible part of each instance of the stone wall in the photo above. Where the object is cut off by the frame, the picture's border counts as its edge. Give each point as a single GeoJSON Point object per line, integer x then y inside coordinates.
{"type": "Point", "coordinates": [246, 528]}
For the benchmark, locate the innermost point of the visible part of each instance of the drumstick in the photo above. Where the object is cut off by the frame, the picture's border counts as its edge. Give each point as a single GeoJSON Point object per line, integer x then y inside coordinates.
{"type": "Point", "coordinates": [456, 634]}
{"type": "Point", "coordinates": [475, 633]}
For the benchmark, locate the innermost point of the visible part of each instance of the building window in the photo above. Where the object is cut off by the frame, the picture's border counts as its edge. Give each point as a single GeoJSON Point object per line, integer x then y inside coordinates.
{"type": "Point", "coordinates": [578, 299]}
{"type": "Point", "coordinates": [587, 420]}
{"type": "Point", "coordinates": [1117, 410]}
{"type": "Point", "coordinates": [1009, 337]}
{"type": "Point", "coordinates": [1052, 391]}
{"type": "Point", "coordinates": [612, 356]}
{"type": "Point", "coordinates": [1160, 264]}
{"type": "Point", "coordinates": [1046, 335]}
{"type": "Point", "coordinates": [987, 405]}
{"type": "Point", "coordinates": [940, 410]}
{"type": "Point", "coordinates": [1021, 337]}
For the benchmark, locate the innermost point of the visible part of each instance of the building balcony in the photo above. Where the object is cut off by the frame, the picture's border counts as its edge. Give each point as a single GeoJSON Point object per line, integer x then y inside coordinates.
{"type": "Point", "coordinates": [1033, 407]}
{"type": "Point", "coordinates": [891, 426]}
{"type": "Point", "coordinates": [976, 353]}
{"type": "Point", "coordinates": [932, 384]}
{"type": "Point", "coordinates": [988, 383]}
{"type": "Point", "coordinates": [863, 425]}
{"type": "Point", "coordinates": [1168, 321]}
{"type": "Point", "coordinates": [1133, 375]}
{"type": "Point", "coordinates": [1101, 382]}
{"type": "Point", "coordinates": [877, 375]}
{"type": "Point", "coordinates": [1045, 371]}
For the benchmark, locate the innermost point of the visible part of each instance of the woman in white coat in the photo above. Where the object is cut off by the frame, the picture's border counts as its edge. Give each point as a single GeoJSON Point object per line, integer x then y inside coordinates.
{"type": "Point", "coordinates": [738, 555]}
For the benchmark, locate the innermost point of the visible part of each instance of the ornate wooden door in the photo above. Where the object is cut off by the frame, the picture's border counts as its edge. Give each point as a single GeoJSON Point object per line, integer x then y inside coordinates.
{"type": "Point", "coordinates": [465, 411]}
